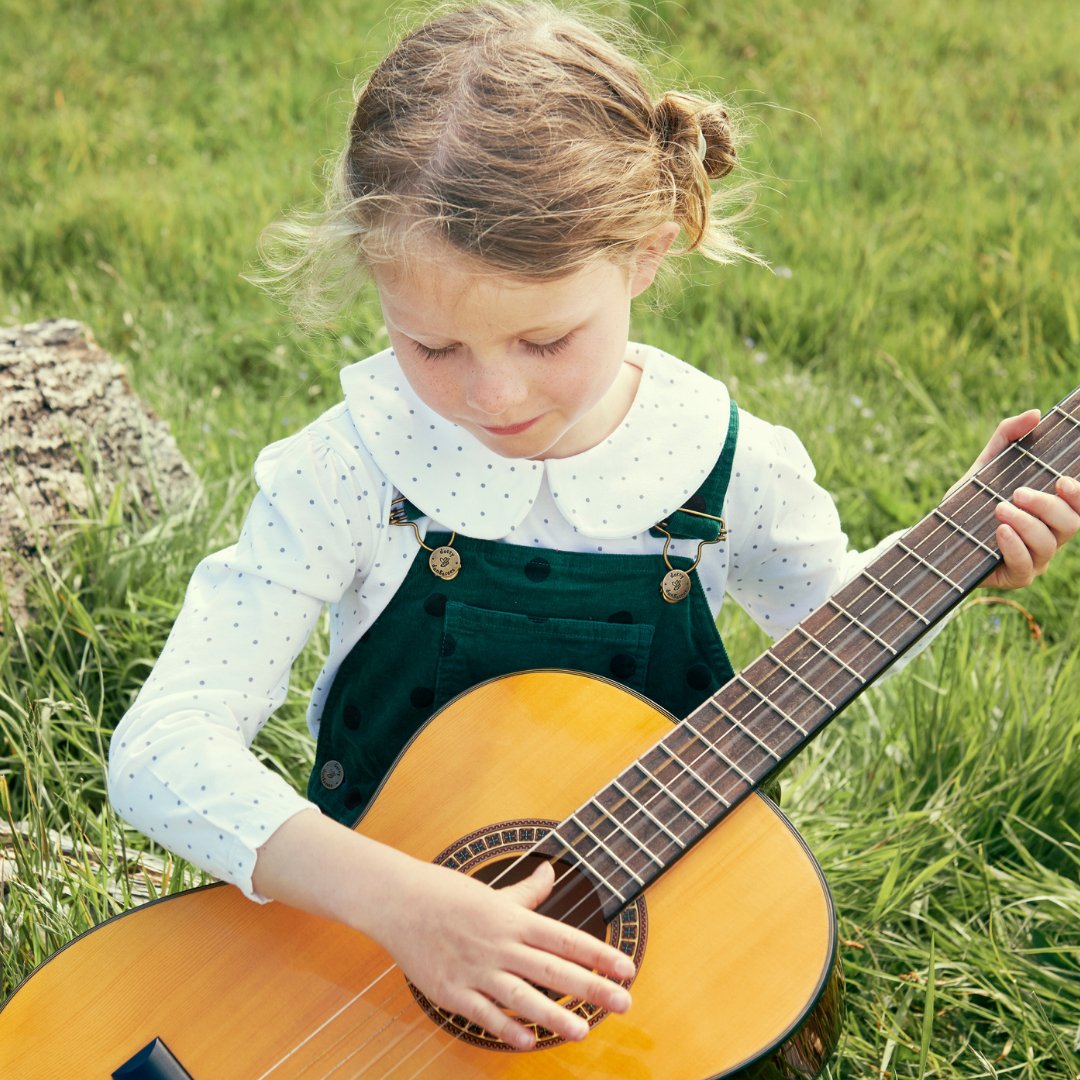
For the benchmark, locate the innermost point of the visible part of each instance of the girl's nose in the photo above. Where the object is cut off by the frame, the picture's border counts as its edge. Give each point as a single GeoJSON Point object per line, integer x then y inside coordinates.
{"type": "Point", "coordinates": [495, 388]}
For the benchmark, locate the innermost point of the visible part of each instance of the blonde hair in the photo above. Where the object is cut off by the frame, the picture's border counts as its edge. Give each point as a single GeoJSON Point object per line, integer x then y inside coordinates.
{"type": "Point", "coordinates": [522, 139]}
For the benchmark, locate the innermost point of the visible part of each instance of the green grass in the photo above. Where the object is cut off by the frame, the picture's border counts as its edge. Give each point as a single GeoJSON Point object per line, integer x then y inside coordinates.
{"type": "Point", "coordinates": [917, 163]}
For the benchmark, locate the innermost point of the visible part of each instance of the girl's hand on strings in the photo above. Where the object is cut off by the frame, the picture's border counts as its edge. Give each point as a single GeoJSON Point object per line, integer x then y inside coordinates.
{"type": "Point", "coordinates": [482, 952]}
{"type": "Point", "coordinates": [1035, 524]}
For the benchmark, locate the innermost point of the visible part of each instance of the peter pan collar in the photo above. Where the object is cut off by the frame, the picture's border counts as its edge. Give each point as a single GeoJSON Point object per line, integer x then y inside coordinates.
{"type": "Point", "coordinates": [646, 469]}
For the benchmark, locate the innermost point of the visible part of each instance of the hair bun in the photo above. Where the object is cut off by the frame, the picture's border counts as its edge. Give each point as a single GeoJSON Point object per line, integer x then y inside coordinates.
{"type": "Point", "coordinates": [720, 155]}
{"type": "Point", "coordinates": [703, 127]}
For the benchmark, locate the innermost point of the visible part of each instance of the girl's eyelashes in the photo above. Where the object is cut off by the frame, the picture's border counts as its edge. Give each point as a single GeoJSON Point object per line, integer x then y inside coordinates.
{"type": "Point", "coordinates": [549, 348]}
{"type": "Point", "coordinates": [433, 354]}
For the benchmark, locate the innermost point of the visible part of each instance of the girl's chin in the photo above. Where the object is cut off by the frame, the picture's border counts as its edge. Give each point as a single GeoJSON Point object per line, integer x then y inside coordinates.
{"type": "Point", "coordinates": [523, 446]}
{"type": "Point", "coordinates": [513, 429]}
{"type": "Point", "coordinates": [536, 441]}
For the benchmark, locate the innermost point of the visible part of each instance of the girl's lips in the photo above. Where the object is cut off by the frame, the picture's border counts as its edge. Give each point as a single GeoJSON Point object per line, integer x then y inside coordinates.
{"type": "Point", "coordinates": [513, 429]}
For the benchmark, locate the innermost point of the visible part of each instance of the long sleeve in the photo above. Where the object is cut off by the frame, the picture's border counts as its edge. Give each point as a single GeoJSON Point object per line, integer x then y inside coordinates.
{"type": "Point", "coordinates": [180, 767]}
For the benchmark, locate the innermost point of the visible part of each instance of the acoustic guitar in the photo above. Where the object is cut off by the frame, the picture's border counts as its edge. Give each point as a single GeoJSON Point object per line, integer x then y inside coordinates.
{"type": "Point", "coordinates": [677, 860]}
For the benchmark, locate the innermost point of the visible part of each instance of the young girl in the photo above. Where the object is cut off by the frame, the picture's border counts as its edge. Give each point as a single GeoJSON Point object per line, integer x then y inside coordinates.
{"type": "Point", "coordinates": [487, 496]}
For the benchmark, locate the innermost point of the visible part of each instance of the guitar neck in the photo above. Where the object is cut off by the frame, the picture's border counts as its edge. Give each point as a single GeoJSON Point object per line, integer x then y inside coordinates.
{"type": "Point", "coordinates": [655, 810]}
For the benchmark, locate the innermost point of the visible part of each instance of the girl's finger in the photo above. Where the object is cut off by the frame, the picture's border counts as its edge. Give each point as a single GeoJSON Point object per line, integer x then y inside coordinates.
{"type": "Point", "coordinates": [1008, 431]}
{"type": "Point", "coordinates": [1038, 539]}
{"type": "Point", "coordinates": [1055, 512]}
{"type": "Point", "coordinates": [523, 999]}
{"type": "Point", "coordinates": [485, 1012]}
{"type": "Point", "coordinates": [582, 948]}
{"type": "Point", "coordinates": [545, 969]}
{"type": "Point", "coordinates": [1068, 489]}
{"type": "Point", "coordinates": [1017, 569]}
{"type": "Point", "coordinates": [532, 891]}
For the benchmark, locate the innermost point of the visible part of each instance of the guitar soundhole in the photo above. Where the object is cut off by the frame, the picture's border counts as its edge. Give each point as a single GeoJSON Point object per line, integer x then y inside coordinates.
{"type": "Point", "coordinates": [499, 855]}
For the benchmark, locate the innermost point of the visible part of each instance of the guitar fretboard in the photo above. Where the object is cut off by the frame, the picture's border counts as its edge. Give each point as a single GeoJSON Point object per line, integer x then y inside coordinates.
{"type": "Point", "coordinates": [663, 803]}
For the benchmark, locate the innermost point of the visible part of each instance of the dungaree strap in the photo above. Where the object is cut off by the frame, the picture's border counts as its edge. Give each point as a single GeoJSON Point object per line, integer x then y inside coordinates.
{"type": "Point", "coordinates": [709, 498]}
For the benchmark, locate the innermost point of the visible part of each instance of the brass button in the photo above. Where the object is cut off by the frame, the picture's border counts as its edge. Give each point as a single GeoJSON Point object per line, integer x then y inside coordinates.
{"type": "Point", "coordinates": [331, 775]}
{"type": "Point", "coordinates": [675, 586]}
{"type": "Point", "coordinates": [445, 562]}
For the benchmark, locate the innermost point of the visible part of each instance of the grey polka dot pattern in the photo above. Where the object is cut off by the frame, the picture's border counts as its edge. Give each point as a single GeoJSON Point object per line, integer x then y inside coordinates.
{"type": "Point", "coordinates": [317, 538]}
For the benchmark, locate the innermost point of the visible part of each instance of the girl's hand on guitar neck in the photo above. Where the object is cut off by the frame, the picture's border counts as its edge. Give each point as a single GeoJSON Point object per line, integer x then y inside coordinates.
{"type": "Point", "coordinates": [470, 948]}
{"type": "Point", "coordinates": [1035, 524]}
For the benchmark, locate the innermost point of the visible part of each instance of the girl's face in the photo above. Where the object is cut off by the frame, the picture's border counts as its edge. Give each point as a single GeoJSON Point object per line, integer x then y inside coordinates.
{"type": "Point", "coordinates": [532, 370]}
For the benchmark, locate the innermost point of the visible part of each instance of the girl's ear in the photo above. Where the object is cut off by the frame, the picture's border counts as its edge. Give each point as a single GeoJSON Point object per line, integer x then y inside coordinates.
{"type": "Point", "coordinates": [650, 254]}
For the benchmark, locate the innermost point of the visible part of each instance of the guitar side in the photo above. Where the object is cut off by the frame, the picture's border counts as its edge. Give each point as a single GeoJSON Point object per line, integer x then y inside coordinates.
{"type": "Point", "coordinates": [739, 935]}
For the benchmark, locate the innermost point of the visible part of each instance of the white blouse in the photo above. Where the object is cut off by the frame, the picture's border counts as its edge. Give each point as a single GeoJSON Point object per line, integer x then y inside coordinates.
{"type": "Point", "coordinates": [317, 533]}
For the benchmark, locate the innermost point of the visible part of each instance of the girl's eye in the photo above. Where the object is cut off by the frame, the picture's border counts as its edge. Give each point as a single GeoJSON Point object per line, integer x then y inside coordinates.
{"type": "Point", "coordinates": [433, 354]}
{"type": "Point", "coordinates": [550, 348]}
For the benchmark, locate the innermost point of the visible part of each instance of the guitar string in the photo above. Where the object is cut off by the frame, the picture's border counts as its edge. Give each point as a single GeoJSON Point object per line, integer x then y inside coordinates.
{"type": "Point", "coordinates": [836, 619]}
{"type": "Point", "coordinates": [380, 1010]}
{"type": "Point", "coordinates": [808, 668]}
{"type": "Point", "coordinates": [405, 1031]}
{"type": "Point", "coordinates": [699, 795]}
{"type": "Point", "coordinates": [405, 993]}
{"type": "Point", "coordinates": [817, 655]}
{"type": "Point", "coordinates": [789, 680]}
{"type": "Point", "coordinates": [792, 677]}
{"type": "Point", "coordinates": [897, 584]}
{"type": "Point", "coordinates": [329, 1020]}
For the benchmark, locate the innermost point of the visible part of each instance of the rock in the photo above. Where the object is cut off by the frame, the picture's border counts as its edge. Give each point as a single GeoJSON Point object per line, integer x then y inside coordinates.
{"type": "Point", "coordinates": [66, 412]}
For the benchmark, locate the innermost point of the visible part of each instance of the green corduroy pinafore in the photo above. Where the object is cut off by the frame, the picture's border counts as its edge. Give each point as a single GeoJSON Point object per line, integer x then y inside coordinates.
{"type": "Point", "coordinates": [512, 608]}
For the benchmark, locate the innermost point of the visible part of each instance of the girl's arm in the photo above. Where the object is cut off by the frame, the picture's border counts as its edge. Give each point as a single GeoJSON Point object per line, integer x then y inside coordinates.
{"type": "Point", "coordinates": [470, 948]}
{"type": "Point", "coordinates": [181, 770]}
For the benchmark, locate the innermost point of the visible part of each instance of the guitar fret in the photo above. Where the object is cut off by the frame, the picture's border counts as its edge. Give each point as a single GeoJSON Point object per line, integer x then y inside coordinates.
{"type": "Point", "coordinates": [795, 675]}
{"type": "Point", "coordinates": [845, 636]}
{"type": "Point", "coordinates": [1053, 457]}
{"type": "Point", "coordinates": [959, 528]}
{"type": "Point", "coordinates": [559, 848]}
{"type": "Point", "coordinates": [1038, 461]}
{"type": "Point", "coordinates": [930, 566]}
{"type": "Point", "coordinates": [780, 710]}
{"type": "Point", "coordinates": [769, 704]}
{"type": "Point", "coordinates": [641, 785]}
{"type": "Point", "coordinates": [648, 813]}
{"type": "Point", "coordinates": [732, 748]}
{"type": "Point", "coordinates": [829, 653]}
{"type": "Point", "coordinates": [975, 496]}
{"type": "Point", "coordinates": [693, 773]}
{"type": "Point", "coordinates": [926, 595]}
{"type": "Point", "coordinates": [889, 592]}
{"type": "Point", "coordinates": [960, 560]}
{"type": "Point", "coordinates": [847, 614]}
{"type": "Point", "coordinates": [998, 497]}
{"type": "Point", "coordinates": [621, 863]}
{"type": "Point", "coordinates": [1068, 416]}
{"type": "Point", "coordinates": [621, 827]}
{"type": "Point", "coordinates": [713, 749]}
{"type": "Point", "coordinates": [664, 788]}
{"type": "Point", "coordinates": [812, 662]}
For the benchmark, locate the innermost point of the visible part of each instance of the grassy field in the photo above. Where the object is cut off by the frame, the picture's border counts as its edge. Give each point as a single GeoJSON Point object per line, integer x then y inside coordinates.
{"type": "Point", "coordinates": [918, 203]}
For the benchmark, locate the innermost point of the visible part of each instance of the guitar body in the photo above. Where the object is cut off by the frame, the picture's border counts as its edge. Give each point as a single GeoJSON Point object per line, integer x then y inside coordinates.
{"type": "Point", "coordinates": [735, 942]}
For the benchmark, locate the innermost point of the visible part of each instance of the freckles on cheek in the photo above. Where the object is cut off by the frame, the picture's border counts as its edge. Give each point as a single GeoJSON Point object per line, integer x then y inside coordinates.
{"type": "Point", "coordinates": [429, 385]}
